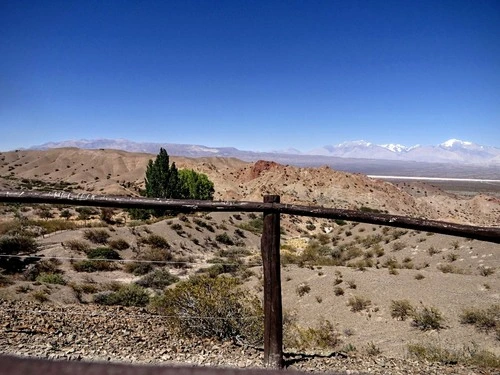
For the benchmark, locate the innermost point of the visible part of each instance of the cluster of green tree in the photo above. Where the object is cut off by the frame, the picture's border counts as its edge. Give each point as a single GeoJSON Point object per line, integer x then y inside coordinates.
{"type": "Point", "coordinates": [164, 180]}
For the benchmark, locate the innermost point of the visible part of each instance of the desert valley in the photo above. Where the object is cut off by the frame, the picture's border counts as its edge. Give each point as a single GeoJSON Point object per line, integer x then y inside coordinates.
{"type": "Point", "coordinates": [357, 297]}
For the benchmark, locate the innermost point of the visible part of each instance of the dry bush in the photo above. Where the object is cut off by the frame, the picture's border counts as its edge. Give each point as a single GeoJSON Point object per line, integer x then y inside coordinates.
{"type": "Point", "coordinates": [358, 303]}
{"type": "Point", "coordinates": [471, 355]}
{"type": "Point", "coordinates": [325, 336]}
{"type": "Point", "coordinates": [94, 265]}
{"type": "Point", "coordinates": [401, 309]}
{"type": "Point", "coordinates": [97, 236]}
{"type": "Point", "coordinates": [303, 289]}
{"type": "Point", "coordinates": [119, 244]}
{"type": "Point", "coordinates": [486, 320]}
{"type": "Point", "coordinates": [428, 318]}
{"type": "Point", "coordinates": [77, 245]}
{"type": "Point", "coordinates": [212, 308]}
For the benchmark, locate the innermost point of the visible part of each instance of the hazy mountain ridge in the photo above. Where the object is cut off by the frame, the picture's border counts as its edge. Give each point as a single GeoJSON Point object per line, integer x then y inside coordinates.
{"type": "Point", "coordinates": [452, 151]}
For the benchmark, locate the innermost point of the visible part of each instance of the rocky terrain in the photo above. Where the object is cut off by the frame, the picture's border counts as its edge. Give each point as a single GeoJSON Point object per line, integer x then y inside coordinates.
{"type": "Point", "coordinates": [327, 264]}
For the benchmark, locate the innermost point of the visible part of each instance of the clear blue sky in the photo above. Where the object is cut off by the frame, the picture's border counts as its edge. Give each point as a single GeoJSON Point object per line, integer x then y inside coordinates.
{"type": "Point", "coordinates": [259, 75]}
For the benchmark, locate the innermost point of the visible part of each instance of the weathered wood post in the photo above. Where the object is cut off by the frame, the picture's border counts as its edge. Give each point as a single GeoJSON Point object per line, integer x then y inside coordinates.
{"type": "Point", "coordinates": [273, 319]}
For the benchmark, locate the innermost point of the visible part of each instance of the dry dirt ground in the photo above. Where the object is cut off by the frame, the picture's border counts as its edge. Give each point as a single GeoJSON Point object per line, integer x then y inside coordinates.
{"type": "Point", "coordinates": [429, 270]}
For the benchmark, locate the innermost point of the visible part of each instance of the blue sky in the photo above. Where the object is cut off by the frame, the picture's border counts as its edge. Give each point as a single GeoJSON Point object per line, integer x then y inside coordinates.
{"type": "Point", "coordinates": [256, 75]}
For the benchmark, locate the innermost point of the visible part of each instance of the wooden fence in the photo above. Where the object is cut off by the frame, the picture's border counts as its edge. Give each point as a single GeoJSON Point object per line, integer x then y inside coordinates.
{"type": "Point", "coordinates": [270, 241]}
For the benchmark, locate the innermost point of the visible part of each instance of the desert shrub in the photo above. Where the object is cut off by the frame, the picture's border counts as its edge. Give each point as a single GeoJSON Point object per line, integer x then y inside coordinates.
{"type": "Point", "coordinates": [373, 350]}
{"type": "Point", "coordinates": [338, 291]}
{"type": "Point", "coordinates": [43, 266]}
{"type": "Point", "coordinates": [107, 215]}
{"type": "Point", "coordinates": [94, 265]}
{"type": "Point", "coordinates": [419, 276]}
{"type": "Point", "coordinates": [358, 303]}
{"type": "Point", "coordinates": [325, 336]}
{"type": "Point", "coordinates": [138, 268]}
{"type": "Point", "coordinates": [428, 318]}
{"type": "Point", "coordinates": [97, 236]}
{"type": "Point", "coordinates": [401, 309]}
{"type": "Point", "coordinates": [451, 257]}
{"type": "Point", "coordinates": [448, 268]}
{"type": "Point", "coordinates": [14, 245]}
{"type": "Point", "coordinates": [176, 226]}
{"type": "Point", "coordinates": [255, 225]}
{"type": "Point", "coordinates": [103, 253]}
{"type": "Point", "coordinates": [158, 279]}
{"type": "Point", "coordinates": [5, 281]}
{"type": "Point", "coordinates": [351, 284]}
{"type": "Point", "coordinates": [303, 289]}
{"type": "Point", "coordinates": [483, 319]}
{"type": "Point", "coordinates": [397, 246]}
{"type": "Point", "coordinates": [224, 239]}
{"type": "Point", "coordinates": [486, 271]}
{"type": "Point", "coordinates": [119, 244]}
{"type": "Point", "coordinates": [468, 355]}
{"type": "Point", "coordinates": [77, 245]}
{"type": "Point", "coordinates": [156, 242]}
{"type": "Point", "coordinates": [51, 278]}
{"type": "Point", "coordinates": [432, 251]}
{"type": "Point", "coordinates": [127, 295]}
{"type": "Point", "coordinates": [202, 224]}
{"type": "Point", "coordinates": [40, 295]}
{"type": "Point", "coordinates": [212, 308]}
{"type": "Point", "coordinates": [10, 245]}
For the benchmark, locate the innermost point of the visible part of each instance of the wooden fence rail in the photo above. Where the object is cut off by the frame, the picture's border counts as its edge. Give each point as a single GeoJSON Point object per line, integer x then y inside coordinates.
{"type": "Point", "coordinates": [270, 241]}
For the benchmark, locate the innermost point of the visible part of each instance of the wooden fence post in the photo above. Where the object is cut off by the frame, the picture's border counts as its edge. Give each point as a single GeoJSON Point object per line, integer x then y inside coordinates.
{"type": "Point", "coordinates": [273, 319]}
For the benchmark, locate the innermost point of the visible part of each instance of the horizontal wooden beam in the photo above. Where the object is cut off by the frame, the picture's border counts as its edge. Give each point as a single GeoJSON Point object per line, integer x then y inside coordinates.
{"type": "Point", "coordinates": [490, 234]}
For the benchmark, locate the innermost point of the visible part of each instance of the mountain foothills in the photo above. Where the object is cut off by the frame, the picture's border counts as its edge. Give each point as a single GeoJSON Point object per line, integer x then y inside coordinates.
{"type": "Point", "coordinates": [122, 173]}
{"type": "Point", "coordinates": [452, 151]}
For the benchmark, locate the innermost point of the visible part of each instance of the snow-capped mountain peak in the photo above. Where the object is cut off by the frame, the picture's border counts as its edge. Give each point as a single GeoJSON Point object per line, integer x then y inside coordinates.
{"type": "Point", "coordinates": [354, 143]}
{"type": "Point", "coordinates": [455, 142]}
{"type": "Point", "coordinates": [395, 147]}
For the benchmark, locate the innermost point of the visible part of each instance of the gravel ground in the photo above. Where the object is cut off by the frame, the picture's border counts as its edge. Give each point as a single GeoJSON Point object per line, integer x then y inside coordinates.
{"type": "Point", "coordinates": [131, 335]}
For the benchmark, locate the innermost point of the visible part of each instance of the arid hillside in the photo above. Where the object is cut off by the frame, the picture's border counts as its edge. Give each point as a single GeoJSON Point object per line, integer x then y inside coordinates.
{"type": "Point", "coordinates": [386, 300]}
{"type": "Point", "coordinates": [122, 173]}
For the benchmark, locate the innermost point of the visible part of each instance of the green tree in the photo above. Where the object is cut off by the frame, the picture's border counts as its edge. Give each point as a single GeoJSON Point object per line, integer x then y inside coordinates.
{"type": "Point", "coordinates": [166, 181]}
{"type": "Point", "coordinates": [195, 185]}
{"type": "Point", "coordinates": [162, 180]}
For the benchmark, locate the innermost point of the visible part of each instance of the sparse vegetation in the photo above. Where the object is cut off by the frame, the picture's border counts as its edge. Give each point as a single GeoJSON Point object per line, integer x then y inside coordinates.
{"type": "Point", "coordinates": [428, 318]}
{"type": "Point", "coordinates": [358, 303]}
{"type": "Point", "coordinates": [158, 279]}
{"type": "Point", "coordinates": [193, 304]}
{"type": "Point", "coordinates": [303, 289]}
{"type": "Point", "coordinates": [97, 236]}
{"type": "Point", "coordinates": [126, 295]}
{"type": "Point", "coordinates": [401, 309]}
{"type": "Point", "coordinates": [486, 320]}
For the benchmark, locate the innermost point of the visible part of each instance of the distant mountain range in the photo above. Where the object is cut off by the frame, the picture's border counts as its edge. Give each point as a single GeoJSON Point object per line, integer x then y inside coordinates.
{"type": "Point", "coordinates": [453, 151]}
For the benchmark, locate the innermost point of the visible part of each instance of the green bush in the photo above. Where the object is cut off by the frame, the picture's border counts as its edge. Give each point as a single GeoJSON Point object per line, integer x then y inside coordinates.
{"type": "Point", "coordinates": [325, 336]}
{"type": "Point", "coordinates": [14, 245]}
{"type": "Point", "coordinates": [103, 253]}
{"type": "Point", "coordinates": [138, 268]}
{"type": "Point", "coordinates": [127, 295]}
{"type": "Point", "coordinates": [49, 266]}
{"type": "Point", "coordinates": [158, 279]}
{"type": "Point", "coordinates": [224, 239]}
{"type": "Point", "coordinates": [51, 278]}
{"type": "Point", "coordinates": [212, 307]}
{"type": "Point", "coordinates": [98, 236]}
